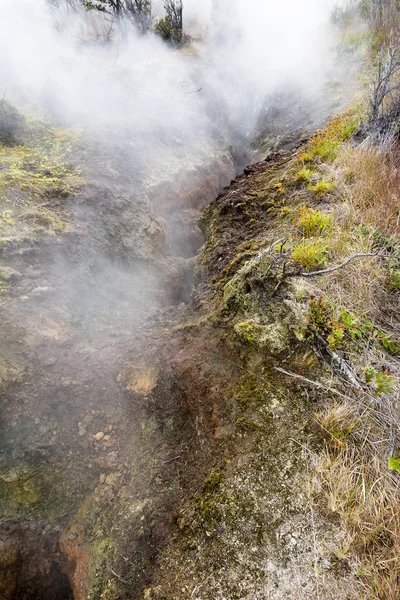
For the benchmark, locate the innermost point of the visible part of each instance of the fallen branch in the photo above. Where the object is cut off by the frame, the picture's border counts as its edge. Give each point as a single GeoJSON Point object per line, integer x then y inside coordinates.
{"type": "Point", "coordinates": [166, 462]}
{"type": "Point", "coordinates": [346, 262]}
{"type": "Point", "coordinates": [340, 362]}
{"type": "Point", "coordinates": [314, 383]}
{"type": "Point", "coordinates": [118, 577]}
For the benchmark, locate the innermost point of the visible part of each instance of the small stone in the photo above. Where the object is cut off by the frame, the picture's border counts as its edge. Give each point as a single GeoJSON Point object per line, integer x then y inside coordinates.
{"type": "Point", "coordinates": [103, 477]}
{"type": "Point", "coordinates": [106, 438]}
{"type": "Point", "coordinates": [99, 436]}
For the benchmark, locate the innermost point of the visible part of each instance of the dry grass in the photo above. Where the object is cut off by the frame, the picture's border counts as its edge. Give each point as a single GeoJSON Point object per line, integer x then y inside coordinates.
{"type": "Point", "coordinates": [370, 183]}
{"type": "Point", "coordinates": [357, 486]}
{"type": "Point", "coordinates": [367, 217]}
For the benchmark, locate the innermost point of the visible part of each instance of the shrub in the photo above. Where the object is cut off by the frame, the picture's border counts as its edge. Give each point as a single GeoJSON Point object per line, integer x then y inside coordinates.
{"type": "Point", "coordinates": [170, 27]}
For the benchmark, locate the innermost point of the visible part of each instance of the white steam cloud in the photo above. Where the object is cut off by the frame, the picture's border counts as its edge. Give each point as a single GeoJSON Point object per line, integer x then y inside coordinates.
{"type": "Point", "coordinates": [249, 49]}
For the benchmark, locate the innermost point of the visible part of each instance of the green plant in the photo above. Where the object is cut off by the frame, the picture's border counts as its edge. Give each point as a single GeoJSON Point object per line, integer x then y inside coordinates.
{"type": "Point", "coordinates": [394, 464]}
{"type": "Point", "coordinates": [280, 187]}
{"type": "Point", "coordinates": [326, 143]}
{"type": "Point", "coordinates": [321, 317]}
{"type": "Point", "coordinates": [393, 281]}
{"type": "Point", "coordinates": [170, 27]}
{"type": "Point", "coordinates": [314, 222]}
{"type": "Point", "coordinates": [322, 187]}
{"type": "Point", "coordinates": [304, 174]}
{"type": "Point", "coordinates": [369, 372]}
{"type": "Point", "coordinates": [382, 380]}
{"type": "Point", "coordinates": [311, 254]}
{"type": "Point", "coordinates": [357, 329]}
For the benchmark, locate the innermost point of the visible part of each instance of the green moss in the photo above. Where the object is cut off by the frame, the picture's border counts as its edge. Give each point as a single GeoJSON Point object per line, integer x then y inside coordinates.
{"type": "Point", "coordinates": [36, 176]}
{"type": "Point", "coordinates": [41, 492]}
{"type": "Point", "coordinates": [326, 144]}
{"type": "Point", "coordinates": [250, 332]}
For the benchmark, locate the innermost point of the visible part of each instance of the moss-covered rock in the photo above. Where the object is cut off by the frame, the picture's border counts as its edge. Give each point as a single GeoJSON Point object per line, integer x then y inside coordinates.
{"type": "Point", "coordinates": [11, 123]}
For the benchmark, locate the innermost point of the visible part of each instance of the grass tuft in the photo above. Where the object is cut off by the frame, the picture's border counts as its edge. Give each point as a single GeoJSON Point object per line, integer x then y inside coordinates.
{"type": "Point", "coordinates": [314, 222]}
{"type": "Point", "coordinates": [304, 174]}
{"type": "Point", "coordinates": [322, 187]}
{"type": "Point", "coordinates": [311, 253]}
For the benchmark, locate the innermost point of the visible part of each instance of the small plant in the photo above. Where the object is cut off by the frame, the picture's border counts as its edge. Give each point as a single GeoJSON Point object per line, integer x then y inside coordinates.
{"type": "Point", "coordinates": [394, 464]}
{"type": "Point", "coordinates": [369, 372]}
{"type": "Point", "coordinates": [335, 338]}
{"type": "Point", "coordinates": [382, 380]}
{"type": "Point", "coordinates": [311, 254]}
{"type": "Point", "coordinates": [314, 222]}
{"type": "Point", "coordinates": [281, 188]}
{"type": "Point", "coordinates": [340, 421]}
{"type": "Point", "coordinates": [7, 217]}
{"type": "Point", "coordinates": [320, 314]}
{"type": "Point", "coordinates": [393, 281]}
{"type": "Point", "coordinates": [304, 175]}
{"type": "Point", "coordinates": [322, 187]}
{"type": "Point", "coordinates": [321, 317]}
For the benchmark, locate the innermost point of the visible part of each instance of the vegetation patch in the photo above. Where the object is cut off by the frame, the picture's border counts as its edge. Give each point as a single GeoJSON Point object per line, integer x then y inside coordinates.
{"type": "Point", "coordinates": [35, 179]}
{"type": "Point", "coordinates": [326, 144]}
{"type": "Point", "coordinates": [311, 253]}
{"type": "Point", "coordinates": [314, 223]}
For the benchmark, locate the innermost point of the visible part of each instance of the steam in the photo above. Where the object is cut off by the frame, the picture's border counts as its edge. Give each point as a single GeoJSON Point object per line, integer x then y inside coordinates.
{"type": "Point", "coordinates": [165, 111]}
{"type": "Point", "coordinates": [249, 49]}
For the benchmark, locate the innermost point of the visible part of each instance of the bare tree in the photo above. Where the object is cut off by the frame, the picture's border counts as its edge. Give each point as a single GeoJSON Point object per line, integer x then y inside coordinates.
{"type": "Point", "coordinates": [384, 105]}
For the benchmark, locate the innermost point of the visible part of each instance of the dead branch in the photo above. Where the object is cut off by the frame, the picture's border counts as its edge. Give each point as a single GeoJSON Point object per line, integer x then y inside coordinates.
{"type": "Point", "coordinates": [346, 262]}
{"type": "Point", "coordinates": [336, 359]}
{"type": "Point", "coordinates": [316, 384]}
{"type": "Point", "coordinates": [383, 107]}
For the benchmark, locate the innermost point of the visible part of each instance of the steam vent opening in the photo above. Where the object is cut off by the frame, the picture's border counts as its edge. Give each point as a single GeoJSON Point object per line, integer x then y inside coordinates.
{"type": "Point", "coordinates": [53, 586]}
